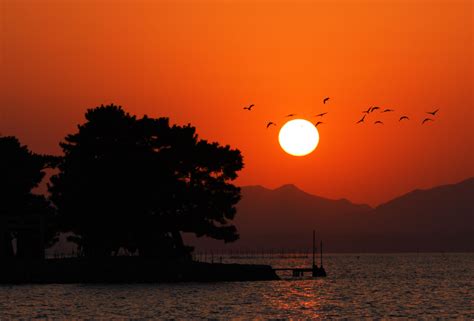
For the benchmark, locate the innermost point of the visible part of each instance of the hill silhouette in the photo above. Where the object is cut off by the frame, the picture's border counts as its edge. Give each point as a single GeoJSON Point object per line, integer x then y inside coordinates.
{"type": "Point", "coordinates": [436, 219]}
{"type": "Point", "coordinates": [440, 218]}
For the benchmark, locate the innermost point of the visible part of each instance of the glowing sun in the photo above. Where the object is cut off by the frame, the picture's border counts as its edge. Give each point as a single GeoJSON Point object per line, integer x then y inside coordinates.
{"type": "Point", "coordinates": [298, 137]}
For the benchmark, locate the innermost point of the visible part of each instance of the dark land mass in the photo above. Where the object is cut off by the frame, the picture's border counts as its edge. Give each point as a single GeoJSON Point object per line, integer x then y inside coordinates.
{"type": "Point", "coordinates": [436, 219]}
{"type": "Point", "coordinates": [123, 191]}
{"type": "Point", "coordinates": [124, 269]}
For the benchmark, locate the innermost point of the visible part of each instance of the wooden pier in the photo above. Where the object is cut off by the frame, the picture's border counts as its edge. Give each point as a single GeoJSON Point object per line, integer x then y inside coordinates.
{"type": "Point", "coordinates": [296, 271]}
{"type": "Point", "coordinates": [314, 269]}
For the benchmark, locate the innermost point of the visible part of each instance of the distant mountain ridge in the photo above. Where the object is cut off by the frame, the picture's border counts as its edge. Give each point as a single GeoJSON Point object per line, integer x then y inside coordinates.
{"type": "Point", "coordinates": [436, 219]}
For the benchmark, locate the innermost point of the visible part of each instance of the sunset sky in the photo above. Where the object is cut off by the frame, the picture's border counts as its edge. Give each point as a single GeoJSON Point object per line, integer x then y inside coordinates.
{"type": "Point", "coordinates": [201, 62]}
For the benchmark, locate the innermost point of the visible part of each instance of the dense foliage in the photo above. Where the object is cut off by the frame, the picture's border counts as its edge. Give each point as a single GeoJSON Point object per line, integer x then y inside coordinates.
{"type": "Point", "coordinates": [137, 183]}
{"type": "Point", "coordinates": [21, 171]}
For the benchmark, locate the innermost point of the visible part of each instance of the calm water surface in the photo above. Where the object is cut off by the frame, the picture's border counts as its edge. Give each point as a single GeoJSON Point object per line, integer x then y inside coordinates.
{"type": "Point", "coordinates": [365, 285]}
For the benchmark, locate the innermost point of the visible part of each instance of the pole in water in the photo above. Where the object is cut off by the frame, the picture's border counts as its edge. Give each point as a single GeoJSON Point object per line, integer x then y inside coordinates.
{"type": "Point", "coordinates": [314, 244]}
{"type": "Point", "coordinates": [321, 252]}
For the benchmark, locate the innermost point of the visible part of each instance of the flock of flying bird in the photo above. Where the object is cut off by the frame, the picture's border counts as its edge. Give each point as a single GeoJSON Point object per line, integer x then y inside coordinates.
{"type": "Point", "coordinates": [362, 120]}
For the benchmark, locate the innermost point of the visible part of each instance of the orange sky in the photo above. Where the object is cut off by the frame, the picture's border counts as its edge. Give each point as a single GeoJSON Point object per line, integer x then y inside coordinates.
{"type": "Point", "coordinates": [202, 61]}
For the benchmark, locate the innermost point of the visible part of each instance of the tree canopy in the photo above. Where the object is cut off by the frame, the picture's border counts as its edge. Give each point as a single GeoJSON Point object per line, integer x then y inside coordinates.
{"type": "Point", "coordinates": [22, 171]}
{"type": "Point", "coordinates": [137, 183]}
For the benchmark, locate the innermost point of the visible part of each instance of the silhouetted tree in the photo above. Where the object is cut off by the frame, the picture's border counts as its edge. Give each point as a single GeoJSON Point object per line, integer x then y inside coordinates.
{"type": "Point", "coordinates": [138, 183]}
{"type": "Point", "coordinates": [21, 171]}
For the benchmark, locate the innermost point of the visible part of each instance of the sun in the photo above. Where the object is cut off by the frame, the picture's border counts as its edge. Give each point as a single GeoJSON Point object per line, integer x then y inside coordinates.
{"type": "Point", "coordinates": [298, 137]}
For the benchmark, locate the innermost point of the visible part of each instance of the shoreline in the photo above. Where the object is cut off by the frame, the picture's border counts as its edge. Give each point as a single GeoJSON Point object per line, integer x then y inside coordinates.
{"type": "Point", "coordinates": [128, 270]}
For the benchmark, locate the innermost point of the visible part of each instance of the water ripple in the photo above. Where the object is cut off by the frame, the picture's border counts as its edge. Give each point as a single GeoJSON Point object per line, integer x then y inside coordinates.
{"type": "Point", "coordinates": [371, 286]}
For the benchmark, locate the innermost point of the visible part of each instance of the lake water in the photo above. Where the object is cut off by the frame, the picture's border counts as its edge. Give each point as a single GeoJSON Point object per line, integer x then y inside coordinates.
{"type": "Point", "coordinates": [358, 285]}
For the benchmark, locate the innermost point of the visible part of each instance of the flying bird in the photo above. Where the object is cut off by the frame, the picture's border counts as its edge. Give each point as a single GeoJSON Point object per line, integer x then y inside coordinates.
{"type": "Point", "coordinates": [374, 108]}
{"type": "Point", "coordinates": [378, 122]}
{"type": "Point", "coordinates": [249, 108]}
{"type": "Point", "coordinates": [318, 123]}
{"type": "Point", "coordinates": [425, 120]}
{"type": "Point", "coordinates": [367, 111]}
{"type": "Point", "coordinates": [290, 115]}
{"type": "Point", "coordinates": [270, 123]}
{"type": "Point", "coordinates": [321, 115]}
{"type": "Point", "coordinates": [325, 100]}
{"type": "Point", "coordinates": [432, 112]}
{"type": "Point", "coordinates": [387, 110]}
{"type": "Point", "coordinates": [361, 120]}
{"type": "Point", "coordinates": [404, 117]}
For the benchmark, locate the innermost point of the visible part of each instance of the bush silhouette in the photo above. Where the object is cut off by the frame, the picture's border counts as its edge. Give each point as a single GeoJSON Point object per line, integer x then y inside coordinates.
{"type": "Point", "coordinates": [137, 183]}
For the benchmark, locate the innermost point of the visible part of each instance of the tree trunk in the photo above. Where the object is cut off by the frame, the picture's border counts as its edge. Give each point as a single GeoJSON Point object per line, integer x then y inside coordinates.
{"type": "Point", "coordinates": [7, 246]}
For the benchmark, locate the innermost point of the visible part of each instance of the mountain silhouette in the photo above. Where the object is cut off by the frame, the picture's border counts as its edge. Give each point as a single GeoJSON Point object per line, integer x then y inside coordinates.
{"type": "Point", "coordinates": [440, 218]}
{"type": "Point", "coordinates": [436, 219]}
{"type": "Point", "coordinates": [284, 217]}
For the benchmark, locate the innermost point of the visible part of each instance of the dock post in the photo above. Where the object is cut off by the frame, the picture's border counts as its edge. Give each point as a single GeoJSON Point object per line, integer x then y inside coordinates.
{"type": "Point", "coordinates": [314, 244]}
{"type": "Point", "coordinates": [321, 252]}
